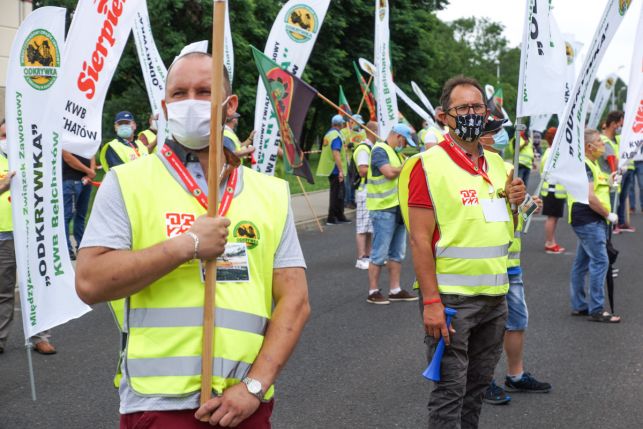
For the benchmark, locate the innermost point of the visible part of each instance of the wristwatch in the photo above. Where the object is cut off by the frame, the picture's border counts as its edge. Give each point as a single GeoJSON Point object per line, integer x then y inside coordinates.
{"type": "Point", "coordinates": [254, 387]}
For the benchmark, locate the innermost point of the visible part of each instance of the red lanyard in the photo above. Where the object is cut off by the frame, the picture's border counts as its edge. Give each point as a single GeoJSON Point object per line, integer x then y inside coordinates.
{"type": "Point", "coordinates": [194, 188]}
{"type": "Point", "coordinates": [133, 146]}
{"type": "Point", "coordinates": [468, 162]}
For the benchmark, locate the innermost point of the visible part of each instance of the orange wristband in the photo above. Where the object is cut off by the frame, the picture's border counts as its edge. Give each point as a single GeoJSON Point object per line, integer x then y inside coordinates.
{"type": "Point", "coordinates": [431, 301]}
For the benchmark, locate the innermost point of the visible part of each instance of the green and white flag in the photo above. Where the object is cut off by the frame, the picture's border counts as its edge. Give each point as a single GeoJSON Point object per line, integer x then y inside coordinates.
{"type": "Point", "coordinates": [45, 274]}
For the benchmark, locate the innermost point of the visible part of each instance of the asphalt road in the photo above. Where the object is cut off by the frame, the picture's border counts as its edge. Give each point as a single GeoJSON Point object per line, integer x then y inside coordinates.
{"type": "Point", "coordinates": [359, 365]}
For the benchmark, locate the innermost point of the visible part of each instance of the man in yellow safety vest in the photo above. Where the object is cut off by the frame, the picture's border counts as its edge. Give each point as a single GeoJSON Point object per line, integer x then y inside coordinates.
{"type": "Point", "coordinates": [125, 147]}
{"type": "Point", "coordinates": [332, 164]}
{"type": "Point", "coordinates": [455, 201]}
{"type": "Point", "coordinates": [145, 243]}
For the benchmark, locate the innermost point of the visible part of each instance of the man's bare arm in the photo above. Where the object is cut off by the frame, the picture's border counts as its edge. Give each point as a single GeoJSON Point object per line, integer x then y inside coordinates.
{"type": "Point", "coordinates": [389, 171]}
{"type": "Point", "coordinates": [75, 163]}
{"type": "Point", "coordinates": [104, 274]}
{"type": "Point", "coordinates": [290, 292]}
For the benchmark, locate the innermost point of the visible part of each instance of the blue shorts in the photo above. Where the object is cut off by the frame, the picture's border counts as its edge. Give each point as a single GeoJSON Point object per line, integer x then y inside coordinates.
{"type": "Point", "coordinates": [389, 238]}
{"type": "Point", "coordinates": [518, 315]}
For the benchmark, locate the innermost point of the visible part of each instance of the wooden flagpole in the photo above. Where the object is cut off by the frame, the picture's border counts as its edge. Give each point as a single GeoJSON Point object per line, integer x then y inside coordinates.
{"type": "Point", "coordinates": [215, 155]}
{"type": "Point", "coordinates": [343, 112]}
{"type": "Point", "coordinates": [361, 103]}
{"type": "Point", "coordinates": [310, 206]}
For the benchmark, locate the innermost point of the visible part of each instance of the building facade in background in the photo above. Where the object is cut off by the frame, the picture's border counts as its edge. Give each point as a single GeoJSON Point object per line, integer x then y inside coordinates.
{"type": "Point", "coordinates": [12, 13]}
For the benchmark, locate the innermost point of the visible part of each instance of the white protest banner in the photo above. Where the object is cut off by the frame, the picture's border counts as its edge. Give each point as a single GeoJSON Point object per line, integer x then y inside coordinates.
{"type": "Point", "coordinates": [154, 71]}
{"type": "Point", "coordinates": [414, 106]}
{"type": "Point", "coordinates": [289, 44]}
{"type": "Point", "coordinates": [423, 98]}
{"type": "Point", "coordinates": [384, 90]}
{"type": "Point", "coordinates": [45, 275]}
{"type": "Point", "coordinates": [97, 37]}
{"type": "Point", "coordinates": [572, 51]}
{"type": "Point", "coordinates": [566, 165]}
{"type": "Point", "coordinates": [602, 98]}
{"type": "Point", "coordinates": [542, 62]}
{"type": "Point", "coordinates": [228, 49]}
{"type": "Point", "coordinates": [539, 122]}
{"type": "Point", "coordinates": [631, 147]}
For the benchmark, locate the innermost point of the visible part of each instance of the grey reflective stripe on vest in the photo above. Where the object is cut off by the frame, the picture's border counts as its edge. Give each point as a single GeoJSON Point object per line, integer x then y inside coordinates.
{"type": "Point", "coordinates": [184, 366]}
{"type": "Point", "coordinates": [193, 316]}
{"type": "Point", "coordinates": [383, 194]}
{"type": "Point", "coordinates": [514, 255]}
{"type": "Point", "coordinates": [378, 181]}
{"type": "Point", "coordinates": [481, 280]}
{"type": "Point", "coordinates": [472, 252]}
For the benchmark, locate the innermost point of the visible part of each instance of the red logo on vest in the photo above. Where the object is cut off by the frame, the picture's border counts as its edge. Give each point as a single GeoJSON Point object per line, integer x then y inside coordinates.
{"type": "Point", "coordinates": [178, 223]}
{"type": "Point", "coordinates": [469, 197]}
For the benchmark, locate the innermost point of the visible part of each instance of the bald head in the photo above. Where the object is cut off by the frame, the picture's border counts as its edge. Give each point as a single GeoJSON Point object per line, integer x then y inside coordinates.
{"type": "Point", "coordinates": [193, 70]}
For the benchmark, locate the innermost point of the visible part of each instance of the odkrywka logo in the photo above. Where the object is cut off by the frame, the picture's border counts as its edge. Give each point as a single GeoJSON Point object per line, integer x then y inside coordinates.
{"type": "Point", "coordinates": [40, 59]}
{"type": "Point", "coordinates": [301, 23]}
{"type": "Point", "coordinates": [469, 197]}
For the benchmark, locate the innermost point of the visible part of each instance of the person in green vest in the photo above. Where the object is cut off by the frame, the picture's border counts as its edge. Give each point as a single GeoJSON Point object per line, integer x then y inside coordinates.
{"type": "Point", "coordinates": [590, 223]}
{"type": "Point", "coordinates": [147, 244]}
{"type": "Point", "coordinates": [40, 342]}
{"type": "Point", "coordinates": [124, 148]}
{"type": "Point", "coordinates": [455, 200]}
{"type": "Point", "coordinates": [496, 140]}
{"type": "Point", "coordinates": [554, 196]}
{"type": "Point", "coordinates": [355, 136]}
{"type": "Point", "coordinates": [332, 164]}
{"type": "Point", "coordinates": [389, 234]}
{"type": "Point", "coordinates": [148, 136]}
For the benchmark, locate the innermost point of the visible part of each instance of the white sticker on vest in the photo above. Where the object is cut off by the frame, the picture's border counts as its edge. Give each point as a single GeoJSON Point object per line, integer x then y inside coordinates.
{"type": "Point", "coordinates": [232, 266]}
{"type": "Point", "coordinates": [495, 210]}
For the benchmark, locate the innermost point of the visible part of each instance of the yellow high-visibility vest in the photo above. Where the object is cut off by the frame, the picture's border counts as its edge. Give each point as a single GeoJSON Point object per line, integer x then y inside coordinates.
{"type": "Point", "coordinates": [227, 132]}
{"type": "Point", "coordinates": [125, 152]}
{"type": "Point", "coordinates": [471, 255]}
{"type": "Point", "coordinates": [601, 188]}
{"type": "Point", "coordinates": [381, 193]}
{"type": "Point", "coordinates": [326, 159]}
{"type": "Point", "coordinates": [558, 189]}
{"type": "Point", "coordinates": [150, 136]}
{"type": "Point", "coordinates": [164, 320]}
{"type": "Point", "coordinates": [363, 147]}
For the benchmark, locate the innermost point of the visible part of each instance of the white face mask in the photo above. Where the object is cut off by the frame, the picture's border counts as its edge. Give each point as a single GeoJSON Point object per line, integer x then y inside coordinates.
{"type": "Point", "coordinates": [3, 146]}
{"type": "Point", "coordinates": [189, 123]}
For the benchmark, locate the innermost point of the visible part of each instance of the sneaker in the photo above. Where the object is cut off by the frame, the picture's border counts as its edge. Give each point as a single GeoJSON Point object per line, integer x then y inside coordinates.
{"type": "Point", "coordinates": [527, 384]}
{"type": "Point", "coordinates": [496, 395]}
{"type": "Point", "coordinates": [377, 298]}
{"type": "Point", "coordinates": [361, 264]}
{"type": "Point", "coordinates": [554, 250]}
{"type": "Point", "coordinates": [332, 222]}
{"type": "Point", "coordinates": [402, 296]}
{"type": "Point", "coordinates": [624, 227]}
{"type": "Point", "coordinates": [344, 220]}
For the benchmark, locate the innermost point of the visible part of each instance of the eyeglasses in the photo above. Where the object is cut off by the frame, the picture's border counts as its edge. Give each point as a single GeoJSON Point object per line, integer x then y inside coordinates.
{"type": "Point", "coordinates": [464, 109]}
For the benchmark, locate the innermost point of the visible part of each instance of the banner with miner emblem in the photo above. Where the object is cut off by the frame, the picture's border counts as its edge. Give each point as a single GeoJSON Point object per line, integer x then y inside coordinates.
{"type": "Point", "coordinates": [45, 274]}
{"type": "Point", "coordinates": [601, 100]}
{"type": "Point", "coordinates": [566, 164]}
{"type": "Point", "coordinates": [289, 44]}
{"type": "Point", "coordinates": [97, 37]}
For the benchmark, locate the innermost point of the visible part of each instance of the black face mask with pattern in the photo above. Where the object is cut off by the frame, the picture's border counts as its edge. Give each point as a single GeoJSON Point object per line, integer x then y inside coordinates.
{"type": "Point", "coordinates": [469, 127]}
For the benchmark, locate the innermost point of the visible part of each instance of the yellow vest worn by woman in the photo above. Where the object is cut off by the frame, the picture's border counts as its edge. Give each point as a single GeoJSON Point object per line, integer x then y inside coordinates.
{"type": "Point", "coordinates": [164, 321]}
{"type": "Point", "coordinates": [471, 253]}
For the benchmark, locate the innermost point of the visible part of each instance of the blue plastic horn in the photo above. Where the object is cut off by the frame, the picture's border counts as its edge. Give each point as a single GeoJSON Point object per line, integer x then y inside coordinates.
{"type": "Point", "coordinates": [432, 372]}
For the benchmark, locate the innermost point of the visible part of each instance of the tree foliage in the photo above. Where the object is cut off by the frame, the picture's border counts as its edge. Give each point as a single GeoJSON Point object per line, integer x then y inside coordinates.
{"type": "Point", "coordinates": [424, 49]}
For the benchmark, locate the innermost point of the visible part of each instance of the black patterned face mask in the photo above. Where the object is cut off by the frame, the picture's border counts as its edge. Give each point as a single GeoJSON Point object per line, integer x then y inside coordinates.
{"type": "Point", "coordinates": [469, 127]}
